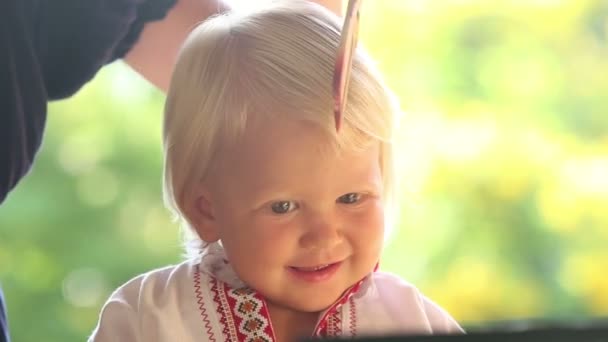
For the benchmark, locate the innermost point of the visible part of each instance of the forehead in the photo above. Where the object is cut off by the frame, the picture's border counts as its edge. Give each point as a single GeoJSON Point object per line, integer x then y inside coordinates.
{"type": "Point", "coordinates": [286, 150]}
{"type": "Point", "coordinates": [286, 139]}
{"type": "Point", "coordinates": [279, 139]}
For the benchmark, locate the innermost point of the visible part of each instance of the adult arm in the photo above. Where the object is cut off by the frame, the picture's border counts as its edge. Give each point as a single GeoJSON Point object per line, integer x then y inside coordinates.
{"type": "Point", "coordinates": [50, 49]}
{"type": "Point", "coordinates": [154, 54]}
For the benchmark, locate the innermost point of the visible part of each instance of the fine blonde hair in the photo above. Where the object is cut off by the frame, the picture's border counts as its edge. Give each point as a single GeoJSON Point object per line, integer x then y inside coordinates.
{"type": "Point", "coordinates": [275, 61]}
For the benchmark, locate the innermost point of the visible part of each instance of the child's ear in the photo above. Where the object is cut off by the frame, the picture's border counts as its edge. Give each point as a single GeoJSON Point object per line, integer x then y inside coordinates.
{"type": "Point", "coordinates": [202, 215]}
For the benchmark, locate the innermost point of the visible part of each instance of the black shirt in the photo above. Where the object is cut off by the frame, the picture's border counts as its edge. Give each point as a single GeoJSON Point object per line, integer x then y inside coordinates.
{"type": "Point", "coordinates": [48, 50]}
{"type": "Point", "coordinates": [3, 322]}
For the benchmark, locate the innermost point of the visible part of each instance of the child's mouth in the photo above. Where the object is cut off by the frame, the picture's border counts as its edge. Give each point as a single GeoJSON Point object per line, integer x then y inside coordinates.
{"type": "Point", "coordinates": [311, 269]}
{"type": "Point", "coordinates": [315, 273]}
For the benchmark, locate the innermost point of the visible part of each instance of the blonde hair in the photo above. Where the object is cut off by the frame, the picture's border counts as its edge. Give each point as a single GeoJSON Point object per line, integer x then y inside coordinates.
{"type": "Point", "coordinates": [277, 60]}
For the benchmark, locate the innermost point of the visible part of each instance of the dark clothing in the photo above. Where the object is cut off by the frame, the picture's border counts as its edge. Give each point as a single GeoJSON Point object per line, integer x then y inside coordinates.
{"type": "Point", "coordinates": [3, 322]}
{"type": "Point", "coordinates": [48, 50]}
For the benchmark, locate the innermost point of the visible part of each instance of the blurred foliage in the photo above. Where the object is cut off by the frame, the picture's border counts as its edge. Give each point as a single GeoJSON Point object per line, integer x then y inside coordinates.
{"type": "Point", "coordinates": [503, 159]}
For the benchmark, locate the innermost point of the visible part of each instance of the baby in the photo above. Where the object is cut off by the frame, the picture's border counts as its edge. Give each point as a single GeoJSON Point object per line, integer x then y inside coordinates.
{"type": "Point", "coordinates": [286, 215]}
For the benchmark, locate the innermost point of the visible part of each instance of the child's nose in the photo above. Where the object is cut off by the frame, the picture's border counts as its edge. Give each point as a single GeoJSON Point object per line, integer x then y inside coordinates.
{"type": "Point", "coordinates": [323, 234]}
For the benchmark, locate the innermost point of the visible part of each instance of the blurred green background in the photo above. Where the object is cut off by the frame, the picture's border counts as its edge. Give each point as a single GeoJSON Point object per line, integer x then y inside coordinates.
{"type": "Point", "coordinates": [503, 159]}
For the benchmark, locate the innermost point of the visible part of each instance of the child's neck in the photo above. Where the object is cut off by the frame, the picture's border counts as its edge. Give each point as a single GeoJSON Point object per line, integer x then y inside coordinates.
{"type": "Point", "coordinates": [290, 325]}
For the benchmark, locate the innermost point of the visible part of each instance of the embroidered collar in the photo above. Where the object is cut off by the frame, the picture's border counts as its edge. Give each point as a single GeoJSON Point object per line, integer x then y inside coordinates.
{"type": "Point", "coordinates": [242, 311]}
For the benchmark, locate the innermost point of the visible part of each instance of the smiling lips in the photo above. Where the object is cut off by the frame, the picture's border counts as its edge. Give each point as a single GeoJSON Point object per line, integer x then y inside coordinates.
{"type": "Point", "coordinates": [315, 273]}
{"type": "Point", "coordinates": [311, 269]}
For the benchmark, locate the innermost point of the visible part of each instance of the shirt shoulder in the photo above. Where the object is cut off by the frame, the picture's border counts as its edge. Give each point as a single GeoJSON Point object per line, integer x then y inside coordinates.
{"type": "Point", "coordinates": [143, 308]}
{"type": "Point", "coordinates": [154, 284]}
{"type": "Point", "coordinates": [403, 308]}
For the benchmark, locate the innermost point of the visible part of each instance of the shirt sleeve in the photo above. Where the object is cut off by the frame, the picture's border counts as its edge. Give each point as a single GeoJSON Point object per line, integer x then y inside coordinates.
{"type": "Point", "coordinates": [408, 311]}
{"type": "Point", "coordinates": [156, 306]}
{"type": "Point", "coordinates": [441, 321]}
{"type": "Point", "coordinates": [49, 50]}
{"type": "Point", "coordinates": [118, 322]}
{"type": "Point", "coordinates": [82, 36]}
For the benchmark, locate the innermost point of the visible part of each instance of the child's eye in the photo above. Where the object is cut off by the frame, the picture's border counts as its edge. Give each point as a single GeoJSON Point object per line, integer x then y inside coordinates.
{"type": "Point", "coordinates": [350, 198]}
{"type": "Point", "coordinates": [283, 207]}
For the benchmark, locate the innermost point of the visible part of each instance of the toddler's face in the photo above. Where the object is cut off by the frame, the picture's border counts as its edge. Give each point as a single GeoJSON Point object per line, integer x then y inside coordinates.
{"type": "Point", "coordinates": [299, 223]}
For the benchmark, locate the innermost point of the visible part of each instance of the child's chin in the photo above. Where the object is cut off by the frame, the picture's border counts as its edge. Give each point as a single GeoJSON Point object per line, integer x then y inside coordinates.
{"type": "Point", "coordinates": [314, 304]}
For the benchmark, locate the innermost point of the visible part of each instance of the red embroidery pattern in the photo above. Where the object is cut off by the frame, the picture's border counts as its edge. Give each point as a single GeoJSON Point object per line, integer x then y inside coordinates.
{"type": "Point", "coordinates": [243, 313]}
{"type": "Point", "coordinates": [223, 309]}
{"type": "Point", "coordinates": [353, 318]}
{"type": "Point", "coordinates": [334, 324]}
{"type": "Point", "coordinates": [201, 305]}
{"type": "Point", "coordinates": [323, 328]}
{"type": "Point", "coordinates": [250, 315]}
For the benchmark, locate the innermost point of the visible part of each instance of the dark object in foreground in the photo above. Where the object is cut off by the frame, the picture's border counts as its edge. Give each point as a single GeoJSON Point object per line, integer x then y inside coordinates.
{"type": "Point", "coordinates": [590, 332]}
